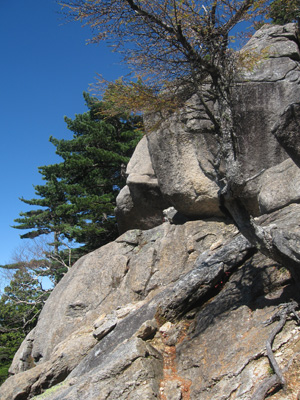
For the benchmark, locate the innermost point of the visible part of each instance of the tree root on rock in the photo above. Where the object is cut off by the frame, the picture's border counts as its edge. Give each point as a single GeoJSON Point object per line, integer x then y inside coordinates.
{"type": "Point", "coordinates": [277, 380]}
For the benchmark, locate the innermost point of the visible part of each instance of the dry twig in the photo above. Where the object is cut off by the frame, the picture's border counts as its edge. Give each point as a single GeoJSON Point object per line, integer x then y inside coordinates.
{"type": "Point", "coordinates": [277, 379]}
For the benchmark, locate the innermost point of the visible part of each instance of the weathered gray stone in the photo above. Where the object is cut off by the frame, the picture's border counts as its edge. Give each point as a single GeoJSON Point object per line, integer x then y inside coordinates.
{"type": "Point", "coordinates": [286, 131]}
{"type": "Point", "coordinates": [120, 276]}
{"type": "Point", "coordinates": [260, 95]}
{"type": "Point", "coordinates": [280, 186]}
{"type": "Point", "coordinates": [80, 293]}
{"type": "Point", "coordinates": [140, 202]}
{"type": "Point", "coordinates": [209, 269]}
{"type": "Point", "coordinates": [285, 234]}
{"type": "Point", "coordinates": [175, 154]}
{"type": "Point", "coordinates": [213, 265]}
{"type": "Point", "coordinates": [226, 357]}
{"type": "Point", "coordinates": [275, 41]}
{"type": "Point", "coordinates": [23, 357]}
{"type": "Point", "coordinates": [174, 164]}
{"type": "Point", "coordinates": [105, 325]}
{"type": "Point", "coordinates": [224, 350]}
{"type": "Point", "coordinates": [201, 280]}
{"type": "Point", "coordinates": [132, 371]}
{"type": "Point", "coordinates": [139, 169]}
{"type": "Point", "coordinates": [257, 107]}
{"type": "Point", "coordinates": [184, 149]}
{"type": "Point", "coordinates": [122, 312]}
{"type": "Point", "coordinates": [172, 390]}
{"type": "Point", "coordinates": [139, 207]}
{"type": "Point", "coordinates": [147, 330]}
{"type": "Point", "coordinates": [64, 358]}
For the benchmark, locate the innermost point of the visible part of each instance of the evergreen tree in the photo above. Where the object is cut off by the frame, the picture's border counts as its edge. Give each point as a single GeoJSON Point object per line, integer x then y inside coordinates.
{"type": "Point", "coordinates": [78, 199]}
{"type": "Point", "coordinates": [20, 305]}
{"type": "Point", "coordinates": [48, 219]}
{"type": "Point", "coordinates": [285, 11]}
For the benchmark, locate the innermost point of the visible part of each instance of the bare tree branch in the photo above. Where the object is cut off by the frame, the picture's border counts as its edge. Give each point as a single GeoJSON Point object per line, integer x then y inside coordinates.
{"type": "Point", "coordinates": [277, 379]}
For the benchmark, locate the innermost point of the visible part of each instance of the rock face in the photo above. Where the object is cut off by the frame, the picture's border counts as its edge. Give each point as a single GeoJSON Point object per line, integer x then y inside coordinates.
{"type": "Point", "coordinates": [286, 131]}
{"type": "Point", "coordinates": [280, 185]}
{"type": "Point", "coordinates": [183, 310]}
{"type": "Point", "coordinates": [140, 203]}
{"type": "Point", "coordinates": [120, 278]}
{"type": "Point", "coordinates": [189, 332]}
{"type": "Point", "coordinates": [182, 160]}
{"type": "Point", "coordinates": [269, 88]}
{"type": "Point", "coordinates": [183, 149]}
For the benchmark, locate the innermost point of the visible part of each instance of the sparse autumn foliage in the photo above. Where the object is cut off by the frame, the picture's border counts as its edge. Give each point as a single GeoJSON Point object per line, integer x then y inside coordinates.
{"type": "Point", "coordinates": [125, 96]}
{"type": "Point", "coordinates": [181, 45]}
{"type": "Point", "coordinates": [168, 43]}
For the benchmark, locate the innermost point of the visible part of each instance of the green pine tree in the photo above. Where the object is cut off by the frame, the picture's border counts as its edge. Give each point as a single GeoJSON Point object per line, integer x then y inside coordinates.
{"type": "Point", "coordinates": [78, 199]}
{"type": "Point", "coordinates": [49, 219]}
{"type": "Point", "coordinates": [285, 11]}
{"type": "Point", "coordinates": [20, 305]}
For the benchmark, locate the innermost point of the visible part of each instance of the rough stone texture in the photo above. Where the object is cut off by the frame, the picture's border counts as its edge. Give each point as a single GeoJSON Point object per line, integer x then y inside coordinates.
{"type": "Point", "coordinates": [227, 351]}
{"type": "Point", "coordinates": [23, 357]}
{"type": "Point", "coordinates": [279, 65]}
{"type": "Point", "coordinates": [103, 327]}
{"type": "Point", "coordinates": [147, 330]}
{"type": "Point", "coordinates": [139, 168]}
{"type": "Point", "coordinates": [183, 148]}
{"type": "Point", "coordinates": [260, 96]}
{"type": "Point", "coordinates": [120, 276]}
{"type": "Point", "coordinates": [64, 358]}
{"type": "Point", "coordinates": [216, 351]}
{"type": "Point", "coordinates": [132, 371]}
{"type": "Point", "coordinates": [175, 153]}
{"type": "Point", "coordinates": [209, 269]}
{"type": "Point", "coordinates": [286, 130]}
{"type": "Point", "coordinates": [140, 203]}
{"type": "Point", "coordinates": [179, 310]}
{"type": "Point", "coordinates": [278, 35]}
{"type": "Point", "coordinates": [286, 235]}
{"type": "Point", "coordinates": [280, 185]}
{"type": "Point", "coordinates": [273, 41]}
{"type": "Point", "coordinates": [215, 264]}
{"type": "Point", "coordinates": [139, 207]}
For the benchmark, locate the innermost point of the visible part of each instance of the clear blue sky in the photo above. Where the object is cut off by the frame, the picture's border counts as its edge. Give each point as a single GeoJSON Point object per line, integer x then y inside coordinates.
{"type": "Point", "coordinates": [45, 65]}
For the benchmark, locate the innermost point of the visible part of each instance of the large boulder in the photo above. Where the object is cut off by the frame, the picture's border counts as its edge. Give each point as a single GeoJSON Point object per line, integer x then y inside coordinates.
{"type": "Point", "coordinates": [286, 131]}
{"type": "Point", "coordinates": [181, 150]}
{"type": "Point", "coordinates": [119, 274]}
{"type": "Point", "coordinates": [116, 279]}
{"type": "Point", "coordinates": [140, 203]}
{"type": "Point", "coordinates": [261, 94]}
{"type": "Point", "coordinates": [280, 186]}
{"type": "Point", "coordinates": [227, 352]}
{"type": "Point", "coordinates": [210, 341]}
{"type": "Point", "coordinates": [184, 310]}
{"type": "Point", "coordinates": [182, 153]}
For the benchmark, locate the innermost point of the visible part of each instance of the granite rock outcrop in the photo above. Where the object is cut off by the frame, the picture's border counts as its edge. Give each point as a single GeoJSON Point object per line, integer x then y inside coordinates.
{"type": "Point", "coordinates": [182, 150]}
{"type": "Point", "coordinates": [183, 309]}
{"type": "Point", "coordinates": [196, 330]}
{"type": "Point", "coordinates": [140, 203]}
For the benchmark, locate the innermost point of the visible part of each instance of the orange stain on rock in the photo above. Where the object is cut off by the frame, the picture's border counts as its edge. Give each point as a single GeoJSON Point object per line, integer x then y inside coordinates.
{"type": "Point", "coordinates": [171, 378]}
